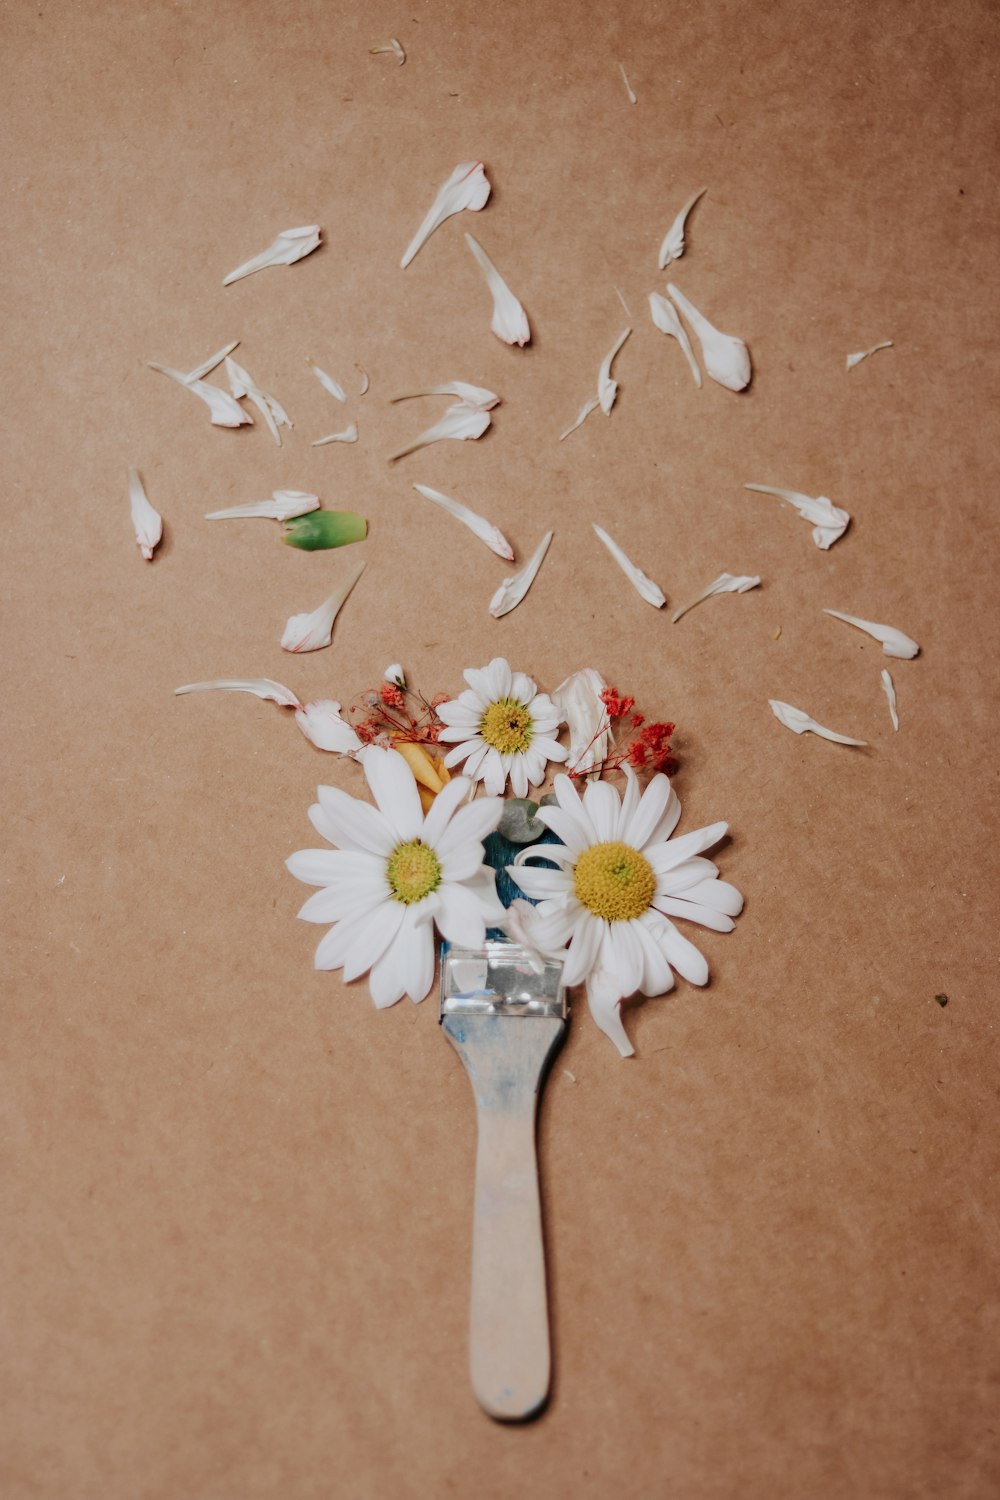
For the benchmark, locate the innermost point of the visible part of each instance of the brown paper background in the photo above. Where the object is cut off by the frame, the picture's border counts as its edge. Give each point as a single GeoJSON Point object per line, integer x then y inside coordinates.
{"type": "Point", "coordinates": [237, 1199]}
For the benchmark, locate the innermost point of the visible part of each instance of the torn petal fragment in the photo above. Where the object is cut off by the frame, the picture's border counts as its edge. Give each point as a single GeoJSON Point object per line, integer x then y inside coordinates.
{"type": "Point", "coordinates": [726, 583]}
{"type": "Point", "coordinates": [483, 529]}
{"type": "Point", "coordinates": [474, 397]}
{"type": "Point", "coordinates": [726, 358]}
{"type": "Point", "coordinates": [467, 187]}
{"type": "Point", "coordinates": [289, 246]}
{"type": "Point", "coordinates": [349, 435]}
{"type": "Point", "coordinates": [327, 381]}
{"type": "Point", "coordinates": [664, 315]}
{"type": "Point", "coordinates": [607, 389]}
{"type": "Point", "coordinates": [646, 587]}
{"type": "Point", "coordinates": [581, 417]}
{"type": "Point", "coordinates": [311, 632]}
{"type": "Point", "coordinates": [890, 693]}
{"type": "Point", "coordinates": [459, 422]}
{"type": "Point", "coordinates": [226, 412]}
{"type": "Point", "coordinates": [365, 382]}
{"type": "Point", "coordinates": [323, 724]}
{"type": "Point", "coordinates": [628, 87]}
{"type": "Point", "coordinates": [394, 46]}
{"type": "Point", "coordinates": [209, 364]}
{"type": "Point", "coordinates": [513, 589]}
{"type": "Point", "coordinates": [148, 523]}
{"type": "Point", "coordinates": [855, 359]}
{"type": "Point", "coordinates": [261, 687]}
{"type": "Point", "coordinates": [894, 642]}
{"type": "Point", "coordinates": [283, 505]}
{"type": "Point", "coordinates": [324, 528]}
{"type": "Point", "coordinates": [579, 701]}
{"type": "Point", "coordinates": [800, 723]}
{"type": "Point", "coordinates": [510, 322]}
{"type": "Point", "coordinates": [829, 521]}
{"type": "Point", "coordinates": [673, 241]}
{"type": "Point", "coordinates": [270, 408]}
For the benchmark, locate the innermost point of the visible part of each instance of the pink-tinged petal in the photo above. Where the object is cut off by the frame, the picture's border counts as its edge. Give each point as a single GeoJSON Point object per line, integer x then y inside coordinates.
{"type": "Point", "coordinates": [681, 955]}
{"type": "Point", "coordinates": [460, 918]}
{"type": "Point", "coordinates": [356, 825]}
{"type": "Point", "coordinates": [539, 883]}
{"type": "Point", "coordinates": [395, 790]}
{"type": "Point", "coordinates": [692, 911]}
{"type": "Point", "coordinates": [628, 957]}
{"type": "Point", "coordinates": [371, 936]}
{"type": "Point", "coordinates": [588, 936]}
{"type": "Point", "coordinates": [604, 1001]}
{"type": "Point", "coordinates": [344, 902]}
{"type": "Point", "coordinates": [647, 816]}
{"type": "Point", "coordinates": [329, 866]}
{"type": "Point", "coordinates": [445, 804]}
{"type": "Point", "coordinates": [602, 806]}
{"type": "Point", "coordinates": [470, 824]}
{"type": "Point", "coordinates": [657, 976]}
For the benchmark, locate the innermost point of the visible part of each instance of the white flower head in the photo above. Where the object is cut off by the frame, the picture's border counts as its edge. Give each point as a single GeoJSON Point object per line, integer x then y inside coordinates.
{"type": "Point", "coordinates": [504, 727]}
{"type": "Point", "coordinates": [618, 883]}
{"type": "Point", "coordinates": [393, 873]}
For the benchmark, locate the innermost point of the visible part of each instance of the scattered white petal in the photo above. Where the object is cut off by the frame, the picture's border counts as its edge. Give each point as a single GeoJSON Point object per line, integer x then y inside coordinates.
{"type": "Point", "coordinates": [726, 583]}
{"type": "Point", "coordinates": [513, 589]}
{"type": "Point", "coordinates": [311, 632]}
{"type": "Point", "coordinates": [664, 315]}
{"type": "Point", "coordinates": [209, 364]}
{"type": "Point", "coordinates": [510, 321]}
{"type": "Point", "coordinates": [327, 381]}
{"type": "Point", "coordinates": [800, 723]}
{"type": "Point", "coordinates": [395, 674]}
{"type": "Point", "coordinates": [322, 723]}
{"type": "Point", "coordinates": [607, 389]}
{"type": "Point", "coordinates": [621, 299]}
{"type": "Point", "coordinates": [890, 693]}
{"type": "Point", "coordinates": [673, 241]}
{"type": "Point", "coordinates": [467, 187]}
{"type": "Point", "coordinates": [829, 521]}
{"type": "Point", "coordinates": [894, 642]}
{"type": "Point", "coordinates": [628, 87]}
{"type": "Point", "coordinates": [726, 358]}
{"type": "Point", "coordinates": [475, 397]}
{"type": "Point", "coordinates": [579, 701]}
{"type": "Point", "coordinates": [289, 246]}
{"type": "Point", "coordinates": [365, 382]}
{"type": "Point", "coordinates": [459, 422]}
{"type": "Point", "coordinates": [394, 46]}
{"type": "Point", "coordinates": [855, 359]}
{"type": "Point", "coordinates": [581, 416]}
{"type": "Point", "coordinates": [283, 505]}
{"type": "Point", "coordinates": [484, 530]}
{"type": "Point", "coordinates": [226, 412]}
{"type": "Point", "coordinates": [349, 435]}
{"type": "Point", "coordinates": [261, 687]}
{"type": "Point", "coordinates": [270, 408]}
{"type": "Point", "coordinates": [148, 523]}
{"type": "Point", "coordinates": [646, 587]}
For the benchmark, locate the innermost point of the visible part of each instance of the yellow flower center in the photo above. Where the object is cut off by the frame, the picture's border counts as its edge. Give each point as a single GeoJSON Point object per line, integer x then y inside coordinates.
{"type": "Point", "coordinates": [413, 870]}
{"type": "Point", "coordinates": [506, 726]}
{"type": "Point", "coordinates": [614, 880]}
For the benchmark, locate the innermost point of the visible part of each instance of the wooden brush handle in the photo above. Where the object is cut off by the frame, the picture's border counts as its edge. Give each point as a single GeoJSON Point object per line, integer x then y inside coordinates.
{"type": "Point", "coordinates": [506, 1058]}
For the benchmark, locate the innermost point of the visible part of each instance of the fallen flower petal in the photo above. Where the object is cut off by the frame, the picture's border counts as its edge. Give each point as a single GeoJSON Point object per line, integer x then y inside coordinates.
{"type": "Point", "coordinates": [579, 701]}
{"type": "Point", "coordinates": [365, 382]}
{"type": "Point", "coordinates": [322, 724]}
{"type": "Point", "coordinates": [890, 693]}
{"type": "Point", "coordinates": [226, 412]}
{"type": "Point", "coordinates": [664, 315]}
{"type": "Point", "coordinates": [349, 435]}
{"type": "Point", "coordinates": [289, 246]}
{"type": "Point", "coordinates": [395, 674]}
{"type": "Point", "coordinates": [270, 408]}
{"type": "Point", "coordinates": [148, 523]}
{"type": "Point", "coordinates": [214, 359]}
{"type": "Point", "coordinates": [474, 397]}
{"type": "Point", "coordinates": [829, 521]}
{"type": "Point", "coordinates": [395, 47]}
{"type": "Point", "coordinates": [726, 583]}
{"type": "Point", "coordinates": [467, 187]}
{"type": "Point", "coordinates": [894, 642]}
{"type": "Point", "coordinates": [673, 241]}
{"type": "Point", "coordinates": [513, 589]}
{"type": "Point", "coordinates": [607, 389]}
{"type": "Point", "coordinates": [327, 381]}
{"type": "Point", "coordinates": [324, 528]}
{"type": "Point", "coordinates": [283, 505]}
{"type": "Point", "coordinates": [646, 587]}
{"type": "Point", "coordinates": [260, 687]}
{"type": "Point", "coordinates": [311, 632]}
{"type": "Point", "coordinates": [726, 358]}
{"type": "Point", "coordinates": [800, 723]}
{"type": "Point", "coordinates": [484, 530]}
{"type": "Point", "coordinates": [581, 416]}
{"type": "Point", "coordinates": [855, 359]}
{"type": "Point", "coordinates": [628, 87]}
{"type": "Point", "coordinates": [459, 422]}
{"type": "Point", "coordinates": [510, 321]}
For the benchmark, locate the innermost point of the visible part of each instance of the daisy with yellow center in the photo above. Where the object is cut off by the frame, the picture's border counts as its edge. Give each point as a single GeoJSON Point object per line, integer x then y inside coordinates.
{"type": "Point", "coordinates": [619, 880]}
{"type": "Point", "coordinates": [502, 728]}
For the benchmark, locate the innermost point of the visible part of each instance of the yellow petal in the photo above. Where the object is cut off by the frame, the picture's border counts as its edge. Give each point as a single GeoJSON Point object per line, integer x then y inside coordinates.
{"type": "Point", "coordinates": [423, 768]}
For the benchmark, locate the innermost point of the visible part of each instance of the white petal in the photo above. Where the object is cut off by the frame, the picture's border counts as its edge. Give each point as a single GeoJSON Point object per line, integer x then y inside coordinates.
{"type": "Point", "coordinates": [327, 381]}
{"type": "Point", "coordinates": [395, 675]}
{"type": "Point", "coordinates": [890, 693]}
{"type": "Point", "coordinates": [365, 382]}
{"type": "Point", "coordinates": [282, 506]}
{"type": "Point", "coordinates": [603, 807]}
{"type": "Point", "coordinates": [726, 583]}
{"type": "Point", "coordinates": [894, 642]}
{"type": "Point", "coordinates": [459, 917]}
{"type": "Point", "coordinates": [395, 790]}
{"type": "Point", "coordinates": [682, 955]}
{"type": "Point", "coordinates": [510, 322]}
{"type": "Point", "coordinates": [261, 687]}
{"type": "Point", "coordinates": [371, 935]}
{"type": "Point", "coordinates": [829, 521]}
{"type": "Point", "coordinates": [673, 241]}
{"type": "Point", "coordinates": [467, 187]}
{"type": "Point", "coordinates": [483, 529]}
{"type": "Point", "coordinates": [385, 982]}
{"type": "Point", "coordinates": [146, 522]}
{"type": "Point", "coordinates": [226, 412]}
{"type": "Point", "coordinates": [588, 936]}
{"type": "Point", "coordinates": [726, 358]}
{"type": "Point", "coordinates": [568, 827]}
{"type": "Point", "coordinates": [241, 384]}
{"type": "Point", "coordinates": [539, 883]}
{"type": "Point", "coordinates": [348, 435]}
{"type": "Point", "coordinates": [208, 365]}
{"type": "Point", "coordinates": [695, 911]}
{"type": "Point", "coordinates": [664, 315]}
{"type": "Point", "coordinates": [647, 588]}
{"type": "Point", "coordinates": [321, 723]}
{"type": "Point", "coordinates": [333, 866]}
{"type": "Point", "coordinates": [628, 957]}
{"type": "Point", "coordinates": [657, 976]}
{"type": "Point", "coordinates": [645, 821]}
{"type": "Point", "coordinates": [415, 954]}
{"type": "Point", "coordinates": [578, 701]}
{"type": "Point", "coordinates": [513, 589]}
{"type": "Point", "coordinates": [604, 1001]}
{"type": "Point", "coordinates": [855, 359]}
{"type": "Point", "coordinates": [689, 844]}
{"type": "Point", "coordinates": [628, 87]}
{"type": "Point", "coordinates": [313, 631]}
{"type": "Point", "coordinates": [475, 397]}
{"type": "Point", "coordinates": [607, 389]}
{"type": "Point", "coordinates": [459, 422]}
{"type": "Point", "coordinates": [355, 824]}
{"type": "Point", "coordinates": [588, 406]}
{"type": "Point", "coordinates": [288, 247]}
{"type": "Point", "coordinates": [800, 723]}
{"type": "Point", "coordinates": [344, 902]}
{"type": "Point", "coordinates": [395, 47]}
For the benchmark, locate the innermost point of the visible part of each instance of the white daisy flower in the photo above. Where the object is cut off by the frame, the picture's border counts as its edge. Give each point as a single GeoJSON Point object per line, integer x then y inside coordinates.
{"type": "Point", "coordinates": [618, 883]}
{"type": "Point", "coordinates": [393, 873]}
{"type": "Point", "coordinates": [505, 728]}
